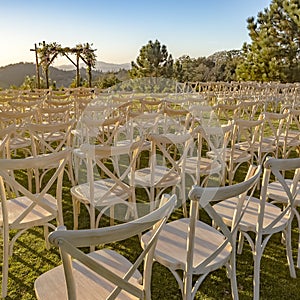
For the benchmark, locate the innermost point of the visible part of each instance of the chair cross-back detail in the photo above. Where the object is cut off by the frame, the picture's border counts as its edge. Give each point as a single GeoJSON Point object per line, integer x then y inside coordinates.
{"type": "Point", "coordinates": [164, 170]}
{"type": "Point", "coordinates": [5, 136]}
{"type": "Point", "coordinates": [104, 188]}
{"type": "Point", "coordinates": [245, 145]}
{"type": "Point", "coordinates": [52, 138]}
{"type": "Point", "coordinates": [22, 208]}
{"type": "Point", "coordinates": [191, 248]}
{"type": "Point", "coordinates": [263, 218]}
{"type": "Point", "coordinates": [105, 273]}
{"type": "Point", "coordinates": [278, 191]}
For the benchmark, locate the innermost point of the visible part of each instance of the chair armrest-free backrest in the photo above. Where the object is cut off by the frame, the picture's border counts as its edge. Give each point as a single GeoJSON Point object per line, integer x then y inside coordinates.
{"type": "Point", "coordinates": [276, 166]}
{"type": "Point", "coordinates": [203, 196]}
{"type": "Point", "coordinates": [69, 240]}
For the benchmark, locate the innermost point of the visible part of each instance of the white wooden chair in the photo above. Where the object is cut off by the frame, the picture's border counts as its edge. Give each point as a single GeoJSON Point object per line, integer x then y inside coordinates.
{"type": "Point", "coordinates": [263, 218]}
{"type": "Point", "coordinates": [290, 141]}
{"type": "Point", "coordinates": [191, 249]}
{"type": "Point", "coordinates": [5, 136]}
{"type": "Point", "coordinates": [168, 151]}
{"type": "Point", "coordinates": [20, 141]}
{"type": "Point", "coordinates": [277, 193]}
{"type": "Point", "coordinates": [25, 209]}
{"type": "Point", "coordinates": [103, 188]}
{"type": "Point", "coordinates": [274, 130]}
{"type": "Point", "coordinates": [245, 145]}
{"type": "Point", "coordinates": [219, 140]}
{"type": "Point", "coordinates": [211, 169]}
{"type": "Point", "coordinates": [103, 274]}
{"type": "Point", "coordinates": [196, 165]}
{"type": "Point", "coordinates": [52, 138]}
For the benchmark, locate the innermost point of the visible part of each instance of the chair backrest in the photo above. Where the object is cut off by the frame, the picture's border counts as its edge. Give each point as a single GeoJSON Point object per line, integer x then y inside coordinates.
{"type": "Point", "coordinates": [43, 182]}
{"type": "Point", "coordinates": [291, 139]}
{"type": "Point", "coordinates": [227, 112]}
{"type": "Point", "coordinates": [278, 167]}
{"type": "Point", "coordinates": [50, 138]}
{"type": "Point", "coordinates": [70, 240]}
{"type": "Point", "coordinates": [54, 114]}
{"type": "Point", "coordinates": [205, 197]}
{"type": "Point", "coordinates": [247, 136]}
{"type": "Point", "coordinates": [216, 139]}
{"type": "Point", "coordinates": [110, 167]}
{"type": "Point", "coordinates": [5, 136]}
{"type": "Point", "coordinates": [168, 152]}
{"type": "Point", "coordinates": [249, 109]}
{"type": "Point", "coordinates": [275, 128]}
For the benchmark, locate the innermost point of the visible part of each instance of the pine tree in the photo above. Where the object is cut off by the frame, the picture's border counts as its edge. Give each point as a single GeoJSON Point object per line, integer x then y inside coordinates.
{"type": "Point", "coordinates": [153, 61]}
{"type": "Point", "coordinates": [274, 54]}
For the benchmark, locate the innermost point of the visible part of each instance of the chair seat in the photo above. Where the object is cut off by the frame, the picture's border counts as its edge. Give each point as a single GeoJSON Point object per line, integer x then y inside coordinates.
{"type": "Point", "coordinates": [207, 166]}
{"type": "Point", "coordinates": [162, 177]}
{"type": "Point", "coordinates": [101, 187]}
{"type": "Point", "coordinates": [36, 216]}
{"type": "Point", "coordinates": [268, 145]}
{"type": "Point", "coordinates": [172, 242]}
{"type": "Point", "coordinates": [89, 285]}
{"type": "Point", "coordinates": [249, 220]}
{"type": "Point", "coordinates": [277, 194]}
{"type": "Point", "coordinates": [20, 142]}
{"type": "Point", "coordinates": [238, 156]}
{"type": "Point", "coordinates": [52, 136]}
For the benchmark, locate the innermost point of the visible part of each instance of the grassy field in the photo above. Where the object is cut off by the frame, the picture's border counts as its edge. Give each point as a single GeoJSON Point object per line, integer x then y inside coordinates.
{"type": "Point", "coordinates": [31, 259]}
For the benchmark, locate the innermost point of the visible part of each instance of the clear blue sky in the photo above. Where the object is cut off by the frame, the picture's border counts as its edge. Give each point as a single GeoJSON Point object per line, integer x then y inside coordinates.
{"type": "Point", "coordinates": [119, 28]}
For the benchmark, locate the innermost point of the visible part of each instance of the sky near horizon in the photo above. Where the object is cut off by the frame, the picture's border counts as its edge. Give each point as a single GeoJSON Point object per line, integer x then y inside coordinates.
{"type": "Point", "coordinates": [119, 28]}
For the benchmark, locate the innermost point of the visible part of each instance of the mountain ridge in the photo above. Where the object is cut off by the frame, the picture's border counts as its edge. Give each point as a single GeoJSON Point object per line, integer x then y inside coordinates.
{"type": "Point", "coordinates": [15, 74]}
{"type": "Point", "coordinates": [99, 66]}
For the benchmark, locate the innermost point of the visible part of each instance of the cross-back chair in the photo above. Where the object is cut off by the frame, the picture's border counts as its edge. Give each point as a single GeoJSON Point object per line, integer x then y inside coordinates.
{"type": "Point", "coordinates": [164, 168]}
{"type": "Point", "coordinates": [277, 191]}
{"type": "Point", "coordinates": [105, 273]}
{"type": "Point", "coordinates": [105, 183]}
{"type": "Point", "coordinates": [22, 208]}
{"type": "Point", "coordinates": [245, 146]}
{"type": "Point", "coordinates": [274, 130]}
{"type": "Point", "coordinates": [52, 138]}
{"type": "Point", "coordinates": [191, 249]}
{"type": "Point", "coordinates": [262, 218]}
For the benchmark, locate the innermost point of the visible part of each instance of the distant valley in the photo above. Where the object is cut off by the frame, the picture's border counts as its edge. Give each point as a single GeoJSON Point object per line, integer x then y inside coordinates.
{"type": "Point", "coordinates": [14, 74]}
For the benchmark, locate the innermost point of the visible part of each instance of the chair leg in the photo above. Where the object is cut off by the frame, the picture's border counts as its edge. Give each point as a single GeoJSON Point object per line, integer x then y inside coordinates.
{"type": "Point", "coordinates": [240, 243]}
{"type": "Point", "coordinates": [46, 233]}
{"type": "Point", "coordinates": [187, 286]}
{"type": "Point", "coordinates": [76, 211]}
{"type": "Point", "coordinates": [92, 212]}
{"type": "Point", "coordinates": [257, 254]}
{"type": "Point", "coordinates": [289, 253]}
{"type": "Point", "coordinates": [256, 275]}
{"type": "Point", "coordinates": [5, 265]}
{"type": "Point", "coordinates": [233, 281]}
{"type": "Point", "coordinates": [298, 221]}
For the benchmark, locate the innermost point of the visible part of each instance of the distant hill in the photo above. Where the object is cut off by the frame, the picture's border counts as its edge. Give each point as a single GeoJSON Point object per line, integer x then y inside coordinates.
{"type": "Point", "coordinates": [15, 74]}
{"type": "Point", "coordinates": [100, 66]}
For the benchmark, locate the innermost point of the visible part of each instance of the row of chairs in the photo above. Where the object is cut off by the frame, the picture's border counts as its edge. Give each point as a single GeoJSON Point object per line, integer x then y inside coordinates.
{"type": "Point", "coordinates": [157, 140]}
{"type": "Point", "coordinates": [227, 146]}
{"type": "Point", "coordinates": [188, 247]}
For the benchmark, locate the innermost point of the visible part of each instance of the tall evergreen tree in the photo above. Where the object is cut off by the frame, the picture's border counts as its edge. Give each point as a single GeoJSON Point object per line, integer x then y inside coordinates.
{"type": "Point", "coordinates": [153, 61]}
{"type": "Point", "coordinates": [274, 54]}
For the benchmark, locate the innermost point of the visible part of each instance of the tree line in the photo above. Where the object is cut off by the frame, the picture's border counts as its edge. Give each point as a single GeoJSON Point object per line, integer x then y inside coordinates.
{"type": "Point", "coordinates": [273, 54]}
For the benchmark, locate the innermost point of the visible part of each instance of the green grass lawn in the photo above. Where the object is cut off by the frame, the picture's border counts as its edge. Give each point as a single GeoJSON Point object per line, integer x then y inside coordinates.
{"type": "Point", "coordinates": [31, 259]}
